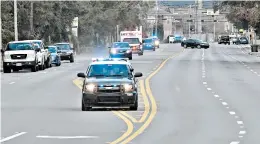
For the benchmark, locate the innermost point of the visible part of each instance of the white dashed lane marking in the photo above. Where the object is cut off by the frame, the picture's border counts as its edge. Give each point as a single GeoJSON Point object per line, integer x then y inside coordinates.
{"type": "Point", "coordinates": [11, 82]}
{"type": "Point", "coordinates": [232, 113]}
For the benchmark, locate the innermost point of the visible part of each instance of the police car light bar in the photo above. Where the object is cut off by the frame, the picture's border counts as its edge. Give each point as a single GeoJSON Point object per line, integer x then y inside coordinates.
{"type": "Point", "coordinates": [109, 59]}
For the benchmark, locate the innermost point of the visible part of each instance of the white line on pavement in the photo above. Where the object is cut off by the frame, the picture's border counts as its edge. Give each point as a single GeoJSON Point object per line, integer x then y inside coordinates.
{"type": "Point", "coordinates": [242, 132]}
{"type": "Point", "coordinates": [234, 142]}
{"type": "Point", "coordinates": [66, 137]}
{"type": "Point", "coordinates": [11, 82]}
{"type": "Point", "coordinates": [13, 136]}
{"type": "Point", "coordinates": [232, 112]}
{"type": "Point", "coordinates": [240, 122]}
{"type": "Point", "coordinates": [224, 103]}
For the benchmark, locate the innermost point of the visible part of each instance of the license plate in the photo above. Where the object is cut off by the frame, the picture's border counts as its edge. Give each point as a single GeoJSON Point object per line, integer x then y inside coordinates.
{"type": "Point", "coordinates": [109, 88]}
{"type": "Point", "coordinates": [18, 64]}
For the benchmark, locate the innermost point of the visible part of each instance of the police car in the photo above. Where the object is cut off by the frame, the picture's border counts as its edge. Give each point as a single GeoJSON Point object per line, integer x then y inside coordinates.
{"type": "Point", "coordinates": [109, 83]}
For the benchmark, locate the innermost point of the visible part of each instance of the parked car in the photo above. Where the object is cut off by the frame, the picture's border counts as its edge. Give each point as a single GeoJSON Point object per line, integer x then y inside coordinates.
{"type": "Point", "coordinates": [194, 43]}
{"type": "Point", "coordinates": [66, 51]}
{"type": "Point", "coordinates": [55, 56]}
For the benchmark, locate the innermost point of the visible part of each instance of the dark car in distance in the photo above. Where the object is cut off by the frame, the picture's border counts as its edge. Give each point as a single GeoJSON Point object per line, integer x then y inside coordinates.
{"type": "Point", "coordinates": [65, 51]}
{"type": "Point", "coordinates": [194, 43]}
{"type": "Point", "coordinates": [224, 40]}
{"type": "Point", "coordinates": [243, 40]}
{"type": "Point", "coordinates": [149, 44]}
{"type": "Point", "coordinates": [120, 50]}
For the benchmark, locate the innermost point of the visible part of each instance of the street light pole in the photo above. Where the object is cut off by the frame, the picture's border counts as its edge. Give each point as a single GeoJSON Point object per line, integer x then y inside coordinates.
{"type": "Point", "coordinates": [189, 21]}
{"type": "Point", "coordinates": [15, 21]}
{"type": "Point", "coordinates": [214, 28]}
{"type": "Point", "coordinates": [0, 26]}
{"type": "Point", "coordinates": [156, 21]}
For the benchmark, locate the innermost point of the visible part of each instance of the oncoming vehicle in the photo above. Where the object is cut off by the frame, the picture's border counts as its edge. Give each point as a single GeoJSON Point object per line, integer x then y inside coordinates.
{"type": "Point", "coordinates": [109, 83]}
{"type": "Point", "coordinates": [156, 41]}
{"type": "Point", "coordinates": [136, 45]}
{"type": "Point", "coordinates": [224, 39]}
{"type": "Point", "coordinates": [121, 50]}
{"type": "Point", "coordinates": [66, 51]}
{"type": "Point", "coordinates": [149, 44]}
{"type": "Point", "coordinates": [55, 56]}
{"type": "Point", "coordinates": [134, 38]}
{"type": "Point", "coordinates": [194, 43]}
{"type": "Point", "coordinates": [243, 40]}
{"type": "Point", "coordinates": [20, 55]}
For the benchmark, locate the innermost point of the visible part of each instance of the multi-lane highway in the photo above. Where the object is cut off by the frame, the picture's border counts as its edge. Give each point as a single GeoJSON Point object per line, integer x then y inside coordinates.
{"type": "Point", "coordinates": [187, 96]}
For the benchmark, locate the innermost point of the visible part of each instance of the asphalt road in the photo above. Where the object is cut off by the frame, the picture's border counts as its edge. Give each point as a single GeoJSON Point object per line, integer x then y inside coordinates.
{"type": "Point", "coordinates": [186, 96]}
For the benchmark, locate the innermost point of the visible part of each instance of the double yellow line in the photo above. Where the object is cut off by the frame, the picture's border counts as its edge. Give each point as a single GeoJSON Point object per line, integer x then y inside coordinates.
{"type": "Point", "coordinates": [150, 108]}
{"type": "Point", "coordinates": [128, 136]}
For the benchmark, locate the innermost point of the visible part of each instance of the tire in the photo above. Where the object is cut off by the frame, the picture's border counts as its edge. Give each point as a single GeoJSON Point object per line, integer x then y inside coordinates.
{"type": "Point", "coordinates": [135, 107]}
{"type": "Point", "coordinates": [199, 47]}
{"type": "Point", "coordinates": [72, 59]}
{"type": "Point", "coordinates": [153, 49]}
{"type": "Point", "coordinates": [34, 68]}
{"type": "Point", "coordinates": [130, 58]}
{"type": "Point", "coordinates": [140, 54]}
{"type": "Point", "coordinates": [7, 69]}
{"type": "Point", "coordinates": [185, 46]}
{"type": "Point", "coordinates": [84, 108]}
{"type": "Point", "coordinates": [228, 43]}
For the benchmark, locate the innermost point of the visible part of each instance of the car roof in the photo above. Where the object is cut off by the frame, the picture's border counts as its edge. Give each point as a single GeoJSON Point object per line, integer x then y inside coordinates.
{"type": "Point", "coordinates": [24, 41]}
{"type": "Point", "coordinates": [51, 46]}
{"type": "Point", "coordinates": [110, 62]}
{"type": "Point", "coordinates": [120, 42]}
{"type": "Point", "coordinates": [62, 43]}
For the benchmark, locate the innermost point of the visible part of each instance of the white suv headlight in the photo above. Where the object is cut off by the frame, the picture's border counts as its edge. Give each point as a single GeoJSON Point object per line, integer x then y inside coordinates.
{"type": "Point", "coordinates": [128, 87]}
{"type": "Point", "coordinates": [7, 56]}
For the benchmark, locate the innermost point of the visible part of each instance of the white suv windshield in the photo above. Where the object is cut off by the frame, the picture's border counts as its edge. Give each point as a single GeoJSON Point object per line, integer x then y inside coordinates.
{"type": "Point", "coordinates": [19, 46]}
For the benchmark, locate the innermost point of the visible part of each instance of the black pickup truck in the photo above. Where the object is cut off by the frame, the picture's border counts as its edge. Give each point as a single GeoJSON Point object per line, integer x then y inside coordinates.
{"type": "Point", "coordinates": [224, 39]}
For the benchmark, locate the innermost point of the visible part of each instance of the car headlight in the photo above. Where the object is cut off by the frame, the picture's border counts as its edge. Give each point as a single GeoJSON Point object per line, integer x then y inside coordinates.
{"type": "Point", "coordinates": [128, 87]}
{"type": "Point", "coordinates": [128, 51]}
{"type": "Point", "coordinates": [90, 88]}
{"type": "Point", "coordinates": [7, 56]}
{"type": "Point", "coordinates": [113, 51]}
{"type": "Point", "coordinates": [157, 42]}
{"type": "Point", "coordinates": [141, 46]}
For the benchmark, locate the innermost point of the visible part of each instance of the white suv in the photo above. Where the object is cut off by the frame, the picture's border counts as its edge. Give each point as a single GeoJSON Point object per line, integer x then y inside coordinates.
{"type": "Point", "coordinates": [19, 55]}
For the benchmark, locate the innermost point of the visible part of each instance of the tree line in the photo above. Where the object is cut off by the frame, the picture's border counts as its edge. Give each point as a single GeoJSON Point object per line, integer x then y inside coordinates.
{"type": "Point", "coordinates": [51, 20]}
{"type": "Point", "coordinates": [242, 13]}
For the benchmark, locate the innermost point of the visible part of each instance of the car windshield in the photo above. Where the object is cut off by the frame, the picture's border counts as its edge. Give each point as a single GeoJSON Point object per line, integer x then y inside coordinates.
{"type": "Point", "coordinates": [63, 46]}
{"type": "Point", "coordinates": [132, 40]}
{"type": "Point", "coordinates": [52, 49]}
{"type": "Point", "coordinates": [19, 46]}
{"type": "Point", "coordinates": [109, 70]}
{"type": "Point", "coordinates": [120, 45]}
{"type": "Point", "coordinates": [148, 41]}
{"type": "Point", "coordinates": [37, 42]}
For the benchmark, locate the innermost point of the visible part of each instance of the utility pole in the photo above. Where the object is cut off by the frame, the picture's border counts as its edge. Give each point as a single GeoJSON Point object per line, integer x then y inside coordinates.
{"type": "Point", "coordinates": [31, 19]}
{"type": "Point", "coordinates": [214, 28]}
{"type": "Point", "coordinates": [0, 25]}
{"type": "Point", "coordinates": [190, 18]}
{"type": "Point", "coordinates": [117, 32]}
{"type": "Point", "coordinates": [156, 21]}
{"type": "Point", "coordinates": [15, 21]}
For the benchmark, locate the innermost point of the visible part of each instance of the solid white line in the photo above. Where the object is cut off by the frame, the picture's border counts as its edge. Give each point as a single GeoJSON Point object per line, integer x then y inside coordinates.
{"type": "Point", "coordinates": [67, 137]}
{"type": "Point", "coordinates": [242, 132]}
{"type": "Point", "coordinates": [11, 82]}
{"type": "Point", "coordinates": [232, 113]}
{"type": "Point", "coordinates": [224, 103]}
{"type": "Point", "coordinates": [13, 136]}
{"type": "Point", "coordinates": [240, 122]}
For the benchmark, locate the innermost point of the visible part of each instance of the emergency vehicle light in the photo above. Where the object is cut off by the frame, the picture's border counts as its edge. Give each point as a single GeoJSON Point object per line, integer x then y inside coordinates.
{"type": "Point", "coordinates": [109, 59]}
